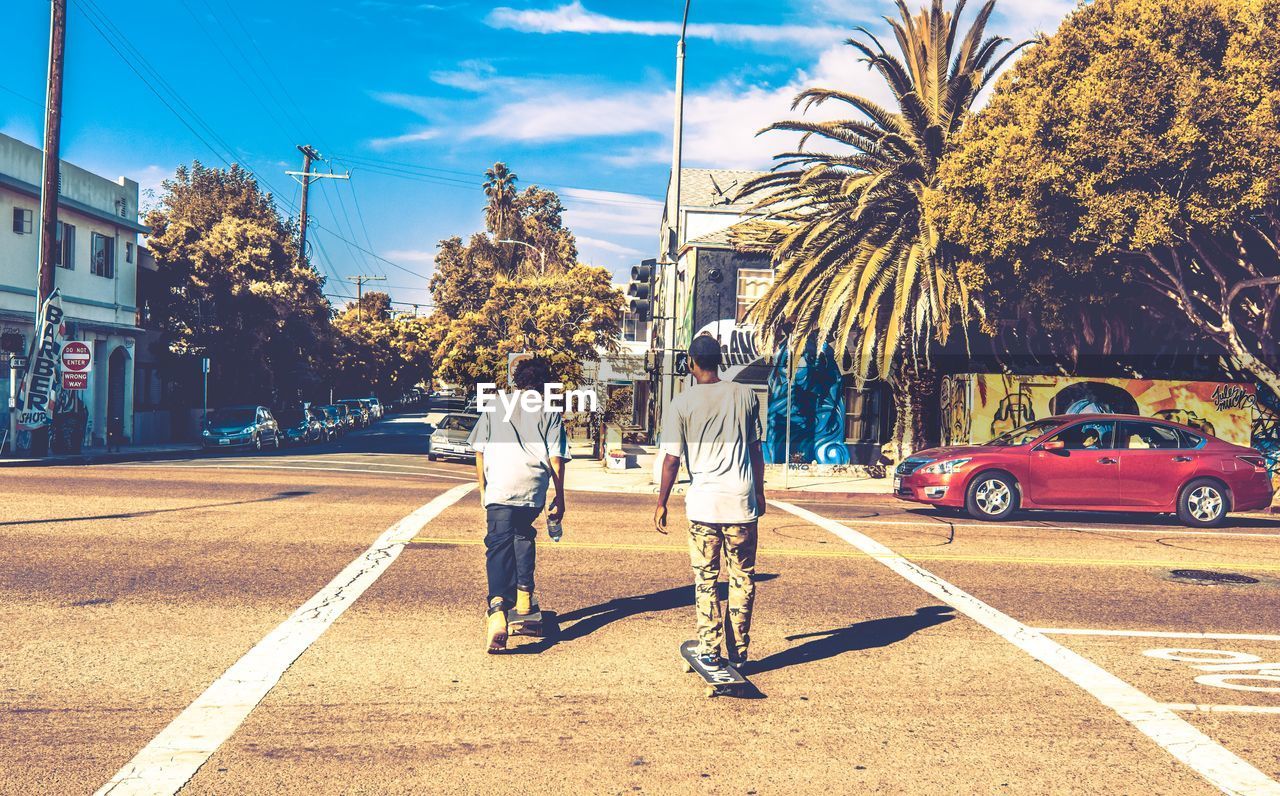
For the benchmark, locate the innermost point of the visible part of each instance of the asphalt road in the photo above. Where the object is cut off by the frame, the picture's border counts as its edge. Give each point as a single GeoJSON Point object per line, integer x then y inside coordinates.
{"type": "Point", "coordinates": [894, 650]}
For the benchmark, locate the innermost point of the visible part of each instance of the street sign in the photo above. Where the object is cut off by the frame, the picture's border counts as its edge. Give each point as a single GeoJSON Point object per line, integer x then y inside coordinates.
{"type": "Point", "coordinates": [18, 363]}
{"type": "Point", "coordinates": [204, 365]}
{"type": "Point", "coordinates": [77, 359]}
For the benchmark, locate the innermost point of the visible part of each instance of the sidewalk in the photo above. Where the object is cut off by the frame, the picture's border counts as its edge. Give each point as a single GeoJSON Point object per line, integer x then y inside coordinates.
{"type": "Point", "coordinates": [99, 455]}
{"type": "Point", "coordinates": [589, 475]}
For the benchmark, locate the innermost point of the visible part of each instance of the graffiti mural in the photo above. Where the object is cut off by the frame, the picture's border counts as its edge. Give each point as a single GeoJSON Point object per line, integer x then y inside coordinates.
{"type": "Point", "coordinates": [817, 410]}
{"type": "Point", "coordinates": [995, 403]}
{"type": "Point", "coordinates": [1266, 429]}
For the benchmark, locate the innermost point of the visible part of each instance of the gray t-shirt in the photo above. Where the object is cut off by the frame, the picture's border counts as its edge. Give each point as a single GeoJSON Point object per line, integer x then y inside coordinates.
{"type": "Point", "coordinates": [518, 453]}
{"type": "Point", "coordinates": [712, 427]}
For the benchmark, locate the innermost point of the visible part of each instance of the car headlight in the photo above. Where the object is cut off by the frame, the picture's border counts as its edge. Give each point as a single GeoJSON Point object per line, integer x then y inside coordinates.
{"type": "Point", "coordinates": [207, 432]}
{"type": "Point", "coordinates": [945, 467]}
{"type": "Point", "coordinates": [248, 430]}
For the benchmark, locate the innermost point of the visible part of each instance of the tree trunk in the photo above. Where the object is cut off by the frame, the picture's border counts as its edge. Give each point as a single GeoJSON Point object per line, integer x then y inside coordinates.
{"type": "Point", "coordinates": [918, 414]}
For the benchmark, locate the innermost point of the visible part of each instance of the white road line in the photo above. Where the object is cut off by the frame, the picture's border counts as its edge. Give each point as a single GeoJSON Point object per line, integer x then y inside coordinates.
{"type": "Point", "coordinates": [174, 756]}
{"type": "Point", "coordinates": [940, 524]}
{"type": "Point", "coordinates": [1187, 707]}
{"type": "Point", "coordinates": [432, 474]}
{"type": "Point", "coordinates": [1084, 631]}
{"type": "Point", "coordinates": [1224, 769]}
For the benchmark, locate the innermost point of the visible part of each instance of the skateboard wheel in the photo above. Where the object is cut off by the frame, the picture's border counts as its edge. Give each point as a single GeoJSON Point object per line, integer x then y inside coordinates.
{"type": "Point", "coordinates": [710, 691]}
{"type": "Point", "coordinates": [688, 669]}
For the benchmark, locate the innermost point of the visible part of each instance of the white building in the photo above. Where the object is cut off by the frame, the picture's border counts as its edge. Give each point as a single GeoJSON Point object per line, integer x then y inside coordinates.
{"type": "Point", "coordinates": [97, 275]}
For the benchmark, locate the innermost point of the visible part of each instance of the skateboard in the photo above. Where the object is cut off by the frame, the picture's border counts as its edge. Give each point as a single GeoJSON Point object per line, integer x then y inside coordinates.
{"type": "Point", "coordinates": [529, 624]}
{"type": "Point", "coordinates": [725, 681]}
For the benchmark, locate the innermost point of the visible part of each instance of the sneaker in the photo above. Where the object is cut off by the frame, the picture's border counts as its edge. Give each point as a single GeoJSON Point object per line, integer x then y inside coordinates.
{"type": "Point", "coordinates": [496, 626]}
{"type": "Point", "coordinates": [738, 659]}
{"type": "Point", "coordinates": [711, 660]}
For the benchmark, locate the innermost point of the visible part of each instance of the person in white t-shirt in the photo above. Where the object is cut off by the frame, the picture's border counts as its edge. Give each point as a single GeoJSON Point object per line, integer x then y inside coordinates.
{"type": "Point", "coordinates": [714, 427]}
{"type": "Point", "coordinates": [517, 459]}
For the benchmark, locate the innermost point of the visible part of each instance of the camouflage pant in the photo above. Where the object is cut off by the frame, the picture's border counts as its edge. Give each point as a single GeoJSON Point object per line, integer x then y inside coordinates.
{"type": "Point", "coordinates": [739, 543]}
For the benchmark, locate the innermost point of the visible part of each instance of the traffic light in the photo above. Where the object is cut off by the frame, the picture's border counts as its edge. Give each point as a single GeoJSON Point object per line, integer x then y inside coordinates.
{"type": "Point", "coordinates": [640, 289]}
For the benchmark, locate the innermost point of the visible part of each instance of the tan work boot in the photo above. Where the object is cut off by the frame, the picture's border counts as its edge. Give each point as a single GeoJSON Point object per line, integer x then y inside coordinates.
{"type": "Point", "coordinates": [524, 602]}
{"type": "Point", "coordinates": [496, 625]}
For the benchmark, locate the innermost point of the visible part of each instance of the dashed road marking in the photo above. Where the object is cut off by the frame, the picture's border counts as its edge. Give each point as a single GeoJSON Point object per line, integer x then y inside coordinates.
{"type": "Point", "coordinates": [1211, 760]}
{"type": "Point", "coordinates": [1084, 631]}
{"type": "Point", "coordinates": [173, 757]}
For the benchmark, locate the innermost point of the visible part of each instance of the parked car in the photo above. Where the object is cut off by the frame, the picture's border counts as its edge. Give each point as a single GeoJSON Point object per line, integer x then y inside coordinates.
{"type": "Point", "coordinates": [241, 426]}
{"type": "Point", "coordinates": [1092, 462]}
{"type": "Point", "coordinates": [301, 426]}
{"type": "Point", "coordinates": [449, 439]}
{"type": "Point", "coordinates": [333, 424]}
{"type": "Point", "coordinates": [374, 408]}
{"type": "Point", "coordinates": [358, 411]}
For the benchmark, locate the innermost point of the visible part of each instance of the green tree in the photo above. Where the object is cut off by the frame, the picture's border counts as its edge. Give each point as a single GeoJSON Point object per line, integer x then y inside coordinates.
{"type": "Point", "coordinates": [859, 261]}
{"type": "Point", "coordinates": [500, 215]}
{"type": "Point", "coordinates": [565, 318]}
{"type": "Point", "coordinates": [236, 289]}
{"type": "Point", "coordinates": [379, 353]}
{"type": "Point", "coordinates": [1138, 145]}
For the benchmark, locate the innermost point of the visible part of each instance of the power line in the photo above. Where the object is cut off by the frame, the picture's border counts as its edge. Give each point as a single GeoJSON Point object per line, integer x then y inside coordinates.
{"type": "Point", "coordinates": [22, 96]}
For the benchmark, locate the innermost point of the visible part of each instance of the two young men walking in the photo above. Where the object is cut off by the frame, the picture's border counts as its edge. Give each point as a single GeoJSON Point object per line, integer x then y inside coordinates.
{"type": "Point", "coordinates": [713, 427]}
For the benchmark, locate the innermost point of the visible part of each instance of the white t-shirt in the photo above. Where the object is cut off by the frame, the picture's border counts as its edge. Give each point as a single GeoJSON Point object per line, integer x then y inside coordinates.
{"type": "Point", "coordinates": [712, 427]}
{"type": "Point", "coordinates": [518, 453]}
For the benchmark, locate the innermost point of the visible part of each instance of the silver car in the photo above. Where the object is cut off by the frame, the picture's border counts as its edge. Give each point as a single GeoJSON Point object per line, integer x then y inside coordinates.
{"type": "Point", "coordinates": [449, 439]}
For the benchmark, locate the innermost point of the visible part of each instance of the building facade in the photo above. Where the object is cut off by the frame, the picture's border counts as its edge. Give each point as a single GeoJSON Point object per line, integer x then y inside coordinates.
{"type": "Point", "coordinates": [96, 275]}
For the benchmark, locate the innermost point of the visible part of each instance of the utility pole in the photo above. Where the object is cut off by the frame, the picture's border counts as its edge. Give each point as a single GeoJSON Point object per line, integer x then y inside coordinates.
{"type": "Point", "coordinates": [304, 178]}
{"type": "Point", "coordinates": [52, 146]}
{"type": "Point", "coordinates": [360, 279]}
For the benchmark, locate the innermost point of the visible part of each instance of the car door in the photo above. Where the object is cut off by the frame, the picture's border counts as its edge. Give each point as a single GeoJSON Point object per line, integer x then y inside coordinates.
{"type": "Point", "coordinates": [1155, 461]}
{"type": "Point", "coordinates": [1083, 472]}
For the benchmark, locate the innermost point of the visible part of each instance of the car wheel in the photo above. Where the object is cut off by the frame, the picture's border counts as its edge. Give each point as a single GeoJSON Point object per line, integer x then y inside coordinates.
{"type": "Point", "coordinates": [276, 437]}
{"type": "Point", "coordinates": [1204, 503]}
{"type": "Point", "coordinates": [257, 442]}
{"type": "Point", "coordinates": [431, 457]}
{"type": "Point", "coordinates": [991, 496]}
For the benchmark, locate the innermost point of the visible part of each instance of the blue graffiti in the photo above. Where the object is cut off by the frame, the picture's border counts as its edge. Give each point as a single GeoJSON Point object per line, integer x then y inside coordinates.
{"type": "Point", "coordinates": [817, 410]}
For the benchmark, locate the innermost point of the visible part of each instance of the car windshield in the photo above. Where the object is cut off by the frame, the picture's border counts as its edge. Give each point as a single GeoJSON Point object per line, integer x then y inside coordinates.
{"type": "Point", "coordinates": [289, 417]}
{"type": "Point", "coordinates": [1024, 435]}
{"type": "Point", "coordinates": [232, 417]}
{"type": "Point", "coordinates": [458, 423]}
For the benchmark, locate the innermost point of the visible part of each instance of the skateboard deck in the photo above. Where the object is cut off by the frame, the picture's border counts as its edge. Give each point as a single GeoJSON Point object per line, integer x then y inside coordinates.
{"type": "Point", "coordinates": [722, 681]}
{"type": "Point", "coordinates": [524, 624]}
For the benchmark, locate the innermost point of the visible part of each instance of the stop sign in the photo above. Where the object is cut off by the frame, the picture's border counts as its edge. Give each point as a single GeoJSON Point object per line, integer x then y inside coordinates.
{"type": "Point", "coordinates": [76, 356]}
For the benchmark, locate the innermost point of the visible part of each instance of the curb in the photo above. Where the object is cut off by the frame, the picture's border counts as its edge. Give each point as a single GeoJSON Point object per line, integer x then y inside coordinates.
{"type": "Point", "coordinates": [99, 458]}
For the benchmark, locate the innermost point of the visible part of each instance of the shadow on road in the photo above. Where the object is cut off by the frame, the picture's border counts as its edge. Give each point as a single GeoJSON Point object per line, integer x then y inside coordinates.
{"type": "Point", "coordinates": [585, 621]}
{"type": "Point", "coordinates": [150, 512]}
{"type": "Point", "coordinates": [861, 636]}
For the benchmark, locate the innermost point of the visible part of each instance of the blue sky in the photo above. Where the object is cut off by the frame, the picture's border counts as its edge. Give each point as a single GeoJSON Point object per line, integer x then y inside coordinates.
{"type": "Point", "coordinates": [416, 99]}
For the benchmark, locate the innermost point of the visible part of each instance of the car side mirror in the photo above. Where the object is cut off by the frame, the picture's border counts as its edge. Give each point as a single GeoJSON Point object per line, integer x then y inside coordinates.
{"type": "Point", "coordinates": [1055, 446]}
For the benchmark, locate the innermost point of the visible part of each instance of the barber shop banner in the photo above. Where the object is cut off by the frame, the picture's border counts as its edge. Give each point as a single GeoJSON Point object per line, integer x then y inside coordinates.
{"type": "Point", "coordinates": [35, 394]}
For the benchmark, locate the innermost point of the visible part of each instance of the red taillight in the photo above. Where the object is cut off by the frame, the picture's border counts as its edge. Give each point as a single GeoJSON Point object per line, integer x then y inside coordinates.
{"type": "Point", "coordinates": [1258, 463]}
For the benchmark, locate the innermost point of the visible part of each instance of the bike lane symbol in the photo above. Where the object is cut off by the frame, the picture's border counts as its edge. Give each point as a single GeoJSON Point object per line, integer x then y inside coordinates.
{"type": "Point", "coordinates": [1238, 671]}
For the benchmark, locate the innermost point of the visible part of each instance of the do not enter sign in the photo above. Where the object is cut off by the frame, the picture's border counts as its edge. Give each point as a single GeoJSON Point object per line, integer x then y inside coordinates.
{"type": "Point", "coordinates": [77, 359]}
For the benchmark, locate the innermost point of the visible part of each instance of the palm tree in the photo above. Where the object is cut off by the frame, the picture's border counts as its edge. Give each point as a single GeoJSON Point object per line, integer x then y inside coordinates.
{"type": "Point", "coordinates": [500, 214]}
{"type": "Point", "coordinates": [858, 259]}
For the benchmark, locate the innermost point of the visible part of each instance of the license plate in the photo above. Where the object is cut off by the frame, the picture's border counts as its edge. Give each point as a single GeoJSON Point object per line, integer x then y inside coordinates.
{"type": "Point", "coordinates": [224, 442]}
{"type": "Point", "coordinates": [897, 483]}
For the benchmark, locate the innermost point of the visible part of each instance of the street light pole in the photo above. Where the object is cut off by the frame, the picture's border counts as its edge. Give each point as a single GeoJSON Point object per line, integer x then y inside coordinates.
{"type": "Point", "coordinates": [673, 202]}
{"type": "Point", "coordinates": [541, 254]}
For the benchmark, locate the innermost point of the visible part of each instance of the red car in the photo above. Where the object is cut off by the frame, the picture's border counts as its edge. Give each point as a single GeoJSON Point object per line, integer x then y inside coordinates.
{"type": "Point", "coordinates": [1092, 462]}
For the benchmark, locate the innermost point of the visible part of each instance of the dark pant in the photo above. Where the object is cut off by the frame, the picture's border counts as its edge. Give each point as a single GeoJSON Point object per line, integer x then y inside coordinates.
{"type": "Point", "coordinates": [509, 550]}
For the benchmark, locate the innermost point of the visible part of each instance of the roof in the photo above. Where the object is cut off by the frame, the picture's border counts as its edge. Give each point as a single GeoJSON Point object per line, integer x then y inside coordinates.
{"type": "Point", "coordinates": [714, 187]}
{"type": "Point", "coordinates": [724, 238]}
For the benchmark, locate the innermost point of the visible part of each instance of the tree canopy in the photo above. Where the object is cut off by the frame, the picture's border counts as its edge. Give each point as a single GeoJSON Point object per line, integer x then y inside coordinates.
{"type": "Point", "coordinates": [235, 289]}
{"type": "Point", "coordinates": [1133, 154]}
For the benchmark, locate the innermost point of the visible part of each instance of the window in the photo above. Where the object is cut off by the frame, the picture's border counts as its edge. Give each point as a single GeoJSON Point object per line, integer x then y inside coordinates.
{"type": "Point", "coordinates": [1090, 436]}
{"type": "Point", "coordinates": [1136, 435]}
{"type": "Point", "coordinates": [128, 252]}
{"type": "Point", "coordinates": [865, 416]}
{"type": "Point", "coordinates": [66, 253]}
{"type": "Point", "coordinates": [634, 328]}
{"type": "Point", "coordinates": [752, 284]}
{"type": "Point", "coordinates": [102, 254]}
{"type": "Point", "coordinates": [21, 221]}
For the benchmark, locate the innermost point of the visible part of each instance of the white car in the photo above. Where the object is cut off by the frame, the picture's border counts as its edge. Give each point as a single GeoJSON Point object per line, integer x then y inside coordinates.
{"type": "Point", "coordinates": [450, 438]}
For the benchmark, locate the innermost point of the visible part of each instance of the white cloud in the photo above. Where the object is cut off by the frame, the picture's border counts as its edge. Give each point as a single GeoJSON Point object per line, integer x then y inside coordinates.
{"type": "Point", "coordinates": [574, 18]}
{"type": "Point", "coordinates": [416, 256]}
{"type": "Point", "coordinates": [586, 243]}
{"type": "Point", "coordinates": [611, 213]}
